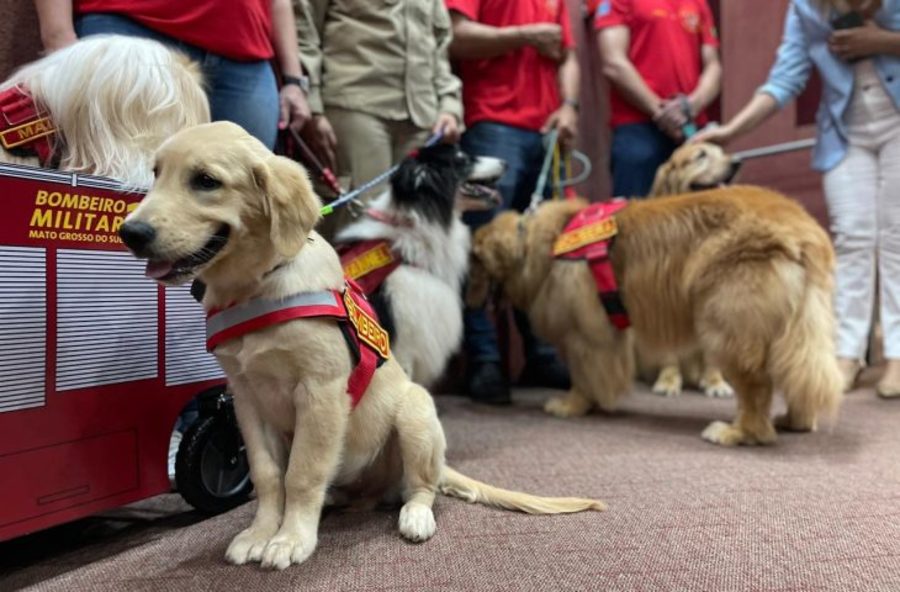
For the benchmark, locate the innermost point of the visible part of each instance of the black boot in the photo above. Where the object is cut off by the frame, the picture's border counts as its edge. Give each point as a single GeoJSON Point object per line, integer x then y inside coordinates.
{"type": "Point", "coordinates": [545, 372]}
{"type": "Point", "coordinates": [487, 384]}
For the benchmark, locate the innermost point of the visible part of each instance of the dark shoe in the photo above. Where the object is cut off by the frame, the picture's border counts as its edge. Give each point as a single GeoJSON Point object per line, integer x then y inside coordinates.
{"type": "Point", "coordinates": [487, 384]}
{"type": "Point", "coordinates": [545, 373]}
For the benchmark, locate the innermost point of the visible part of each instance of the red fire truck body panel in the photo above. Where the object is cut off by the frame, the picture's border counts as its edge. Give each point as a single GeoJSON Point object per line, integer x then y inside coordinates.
{"type": "Point", "coordinates": [96, 361]}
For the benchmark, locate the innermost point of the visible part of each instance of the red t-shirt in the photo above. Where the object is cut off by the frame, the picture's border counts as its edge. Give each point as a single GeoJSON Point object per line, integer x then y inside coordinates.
{"type": "Point", "coordinates": [666, 38]}
{"type": "Point", "coordinates": [519, 88]}
{"type": "Point", "coordinates": [237, 29]}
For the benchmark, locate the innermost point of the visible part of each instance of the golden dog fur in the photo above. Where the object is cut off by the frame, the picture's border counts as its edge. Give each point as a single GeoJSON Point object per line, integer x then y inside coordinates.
{"type": "Point", "coordinates": [691, 167]}
{"type": "Point", "coordinates": [742, 272]}
{"type": "Point", "coordinates": [290, 380]}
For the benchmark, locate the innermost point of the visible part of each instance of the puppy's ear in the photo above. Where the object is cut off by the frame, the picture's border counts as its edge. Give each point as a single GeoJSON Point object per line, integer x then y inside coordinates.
{"type": "Point", "coordinates": [288, 201]}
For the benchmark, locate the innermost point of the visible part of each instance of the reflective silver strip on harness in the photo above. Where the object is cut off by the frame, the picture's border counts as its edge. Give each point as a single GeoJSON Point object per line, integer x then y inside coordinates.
{"type": "Point", "coordinates": [258, 307]}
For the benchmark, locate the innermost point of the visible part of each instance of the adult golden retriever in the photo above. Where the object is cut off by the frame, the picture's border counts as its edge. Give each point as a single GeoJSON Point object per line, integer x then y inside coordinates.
{"type": "Point", "coordinates": [692, 167]}
{"type": "Point", "coordinates": [744, 272]}
{"type": "Point", "coordinates": [227, 210]}
{"type": "Point", "coordinates": [113, 100]}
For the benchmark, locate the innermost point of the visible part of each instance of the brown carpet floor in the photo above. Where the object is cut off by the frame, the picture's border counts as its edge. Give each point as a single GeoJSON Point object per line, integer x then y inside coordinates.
{"type": "Point", "coordinates": [813, 513]}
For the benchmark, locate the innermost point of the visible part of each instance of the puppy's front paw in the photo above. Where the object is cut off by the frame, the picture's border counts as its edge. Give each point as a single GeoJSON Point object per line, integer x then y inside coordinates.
{"type": "Point", "coordinates": [248, 545]}
{"type": "Point", "coordinates": [668, 384]}
{"type": "Point", "coordinates": [285, 549]}
{"type": "Point", "coordinates": [417, 522]}
{"type": "Point", "coordinates": [568, 406]}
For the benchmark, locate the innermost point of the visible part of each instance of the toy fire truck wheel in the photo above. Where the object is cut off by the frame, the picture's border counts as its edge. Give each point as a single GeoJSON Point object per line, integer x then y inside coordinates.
{"type": "Point", "coordinates": [211, 469]}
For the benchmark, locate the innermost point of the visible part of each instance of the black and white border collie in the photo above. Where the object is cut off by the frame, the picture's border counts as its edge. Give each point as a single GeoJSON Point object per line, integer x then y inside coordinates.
{"type": "Point", "coordinates": [418, 218]}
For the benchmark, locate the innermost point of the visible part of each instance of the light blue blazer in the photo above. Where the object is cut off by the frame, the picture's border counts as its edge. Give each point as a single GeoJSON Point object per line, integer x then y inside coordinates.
{"type": "Point", "coordinates": [805, 44]}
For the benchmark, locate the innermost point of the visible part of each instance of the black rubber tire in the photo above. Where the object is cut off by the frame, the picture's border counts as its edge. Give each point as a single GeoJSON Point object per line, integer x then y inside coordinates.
{"type": "Point", "coordinates": [201, 475]}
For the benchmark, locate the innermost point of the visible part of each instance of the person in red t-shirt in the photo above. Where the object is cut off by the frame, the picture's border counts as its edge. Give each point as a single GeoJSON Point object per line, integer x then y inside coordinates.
{"type": "Point", "coordinates": [520, 79]}
{"type": "Point", "coordinates": [661, 57]}
{"type": "Point", "coordinates": [232, 40]}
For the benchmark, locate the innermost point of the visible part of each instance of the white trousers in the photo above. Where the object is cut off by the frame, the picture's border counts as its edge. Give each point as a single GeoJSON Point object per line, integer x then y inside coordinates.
{"type": "Point", "coordinates": [863, 198]}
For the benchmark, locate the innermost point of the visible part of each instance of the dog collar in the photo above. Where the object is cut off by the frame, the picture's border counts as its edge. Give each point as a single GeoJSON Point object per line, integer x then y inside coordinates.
{"type": "Point", "coordinates": [389, 219]}
{"type": "Point", "coordinates": [588, 236]}
{"type": "Point", "coordinates": [368, 342]}
{"type": "Point", "coordinates": [25, 128]}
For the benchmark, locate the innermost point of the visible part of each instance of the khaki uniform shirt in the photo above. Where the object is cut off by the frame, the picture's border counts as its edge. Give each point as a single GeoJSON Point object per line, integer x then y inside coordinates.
{"type": "Point", "coordinates": [387, 58]}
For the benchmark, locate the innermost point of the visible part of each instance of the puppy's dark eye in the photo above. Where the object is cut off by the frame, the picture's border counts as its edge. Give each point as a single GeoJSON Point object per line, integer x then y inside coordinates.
{"type": "Point", "coordinates": [701, 154]}
{"type": "Point", "coordinates": [204, 182]}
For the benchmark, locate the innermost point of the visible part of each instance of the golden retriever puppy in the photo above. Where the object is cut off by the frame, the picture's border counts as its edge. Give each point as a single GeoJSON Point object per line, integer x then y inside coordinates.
{"type": "Point", "coordinates": [743, 273]}
{"type": "Point", "coordinates": [225, 209]}
{"type": "Point", "coordinates": [692, 167]}
{"type": "Point", "coordinates": [111, 101]}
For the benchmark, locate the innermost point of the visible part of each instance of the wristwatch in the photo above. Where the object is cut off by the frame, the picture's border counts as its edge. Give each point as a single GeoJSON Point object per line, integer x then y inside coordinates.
{"type": "Point", "coordinates": [573, 103]}
{"type": "Point", "coordinates": [301, 81]}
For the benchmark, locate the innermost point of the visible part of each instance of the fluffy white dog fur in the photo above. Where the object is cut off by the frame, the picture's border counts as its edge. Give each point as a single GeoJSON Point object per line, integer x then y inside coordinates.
{"type": "Point", "coordinates": [114, 100]}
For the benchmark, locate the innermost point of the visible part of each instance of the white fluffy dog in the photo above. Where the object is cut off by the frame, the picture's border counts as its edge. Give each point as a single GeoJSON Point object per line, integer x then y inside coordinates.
{"type": "Point", "coordinates": [113, 100]}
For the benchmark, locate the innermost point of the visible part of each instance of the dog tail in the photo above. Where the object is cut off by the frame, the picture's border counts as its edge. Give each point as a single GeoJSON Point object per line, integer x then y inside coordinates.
{"type": "Point", "coordinates": [804, 363]}
{"type": "Point", "coordinates": [457, 485]}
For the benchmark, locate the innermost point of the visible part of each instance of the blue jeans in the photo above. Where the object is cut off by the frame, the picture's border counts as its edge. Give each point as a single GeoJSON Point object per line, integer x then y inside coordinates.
{"type": "Point", "coordinates": [637, 151]}
{"type": "Point", "coordinates": [245, 93]}
{"type": "Point", "coordinates": [523, 151]}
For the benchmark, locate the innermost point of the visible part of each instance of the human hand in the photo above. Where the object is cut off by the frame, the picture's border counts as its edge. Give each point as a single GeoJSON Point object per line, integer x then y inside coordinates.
{"type": "Point", "coordinates": [857, 42]}
{"type": "Point", "coordinates": [546, 38]}
{"type": "Point", "coordinates": [294, 111]}
{"type": "Point", "coordinates": [671, 118]}
{"type": "Point", "coordinates": [564, 119]}
{"type": "Point", "coordinates": [320, 137]}
{"type": "Point", "coordinates": [448, 125]}
{"type": "Point", "coordinates": [720, 135]}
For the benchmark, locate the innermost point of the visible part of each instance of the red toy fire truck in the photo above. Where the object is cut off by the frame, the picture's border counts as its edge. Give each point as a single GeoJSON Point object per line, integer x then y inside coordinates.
{"type": "Point", "coordinates": [96, 364]}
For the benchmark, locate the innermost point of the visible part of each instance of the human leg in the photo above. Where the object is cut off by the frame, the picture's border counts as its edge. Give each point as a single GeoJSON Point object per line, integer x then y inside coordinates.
{"type": "Point", "coordinates": [851, 193]}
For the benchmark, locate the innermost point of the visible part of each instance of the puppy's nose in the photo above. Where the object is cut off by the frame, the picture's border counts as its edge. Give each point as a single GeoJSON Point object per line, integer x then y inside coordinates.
{"type": "Point", "coordinates": [137, 236]}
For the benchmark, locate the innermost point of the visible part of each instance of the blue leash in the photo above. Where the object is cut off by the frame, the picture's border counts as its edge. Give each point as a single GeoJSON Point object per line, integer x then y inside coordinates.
{"type": "Point", "coordinates": [356, 192]}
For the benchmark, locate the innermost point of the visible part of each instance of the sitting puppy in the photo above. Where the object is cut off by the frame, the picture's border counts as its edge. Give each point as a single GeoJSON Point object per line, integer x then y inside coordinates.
{"type": "Point", "coordinates": [294, 338]}
{"type": "Point", "coordinates": [410, 253]}
{"type": "Point", "coordinates": [692, 167]}
{"type": "Point", "coordinates": [100, 106]}
{"type": "Point", "coordinates": [743, 273]}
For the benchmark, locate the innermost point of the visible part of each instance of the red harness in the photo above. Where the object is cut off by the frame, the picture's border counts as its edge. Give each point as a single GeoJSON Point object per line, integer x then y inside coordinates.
{"type": "Point", "coordinates": [25, 129]}
{"type": "Point", "coordinates": [368, 263]}
{"type": "Point", "coordinates": [588, 236]}
{"type": "Point", "coordinates": [368, 341]}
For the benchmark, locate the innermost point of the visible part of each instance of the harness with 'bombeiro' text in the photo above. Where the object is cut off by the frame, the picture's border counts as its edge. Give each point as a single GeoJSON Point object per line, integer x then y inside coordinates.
{"type": "Point", "coordinates": [368, 262]}
{"type": "Point", "coordinates": [368, 342]}
{"type": "Point", "coordinates": [26, 130]}
{"type": "Point", "coordinates": [588, 236]}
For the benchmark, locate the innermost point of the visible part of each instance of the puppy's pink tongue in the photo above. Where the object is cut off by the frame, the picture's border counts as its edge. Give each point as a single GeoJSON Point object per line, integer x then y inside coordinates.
{"type": "Point", "coordinates": [158, 269]}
